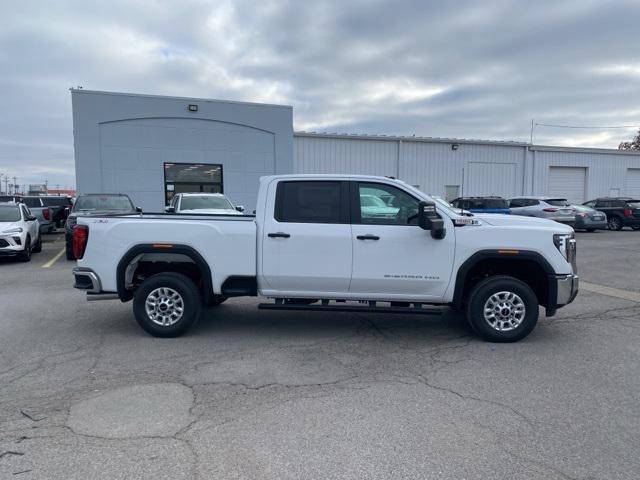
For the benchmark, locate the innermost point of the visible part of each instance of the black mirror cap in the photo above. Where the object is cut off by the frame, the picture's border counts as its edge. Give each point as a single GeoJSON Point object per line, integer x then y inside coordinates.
{"type": "Point", "coordinates": [426, 213]}
{"type": "Point", "coordinates": [170, 209]}
{"type": "Point", "coordinates": [240, 208]}
{"type": "Point", "coordinates": [438, 231]}
{"type": "Point", "coordinates": [138, 209]}
{"type": "Point", "coordinates": [31, 219]}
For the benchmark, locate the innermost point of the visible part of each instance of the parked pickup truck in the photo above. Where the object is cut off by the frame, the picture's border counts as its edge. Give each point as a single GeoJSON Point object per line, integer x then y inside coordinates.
{"type": "Point", "coordinates": [313, 246]}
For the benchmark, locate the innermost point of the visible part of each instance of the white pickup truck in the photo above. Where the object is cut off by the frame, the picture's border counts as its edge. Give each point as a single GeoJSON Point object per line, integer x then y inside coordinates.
{"type": "Point", "coordinates": [314, 245]}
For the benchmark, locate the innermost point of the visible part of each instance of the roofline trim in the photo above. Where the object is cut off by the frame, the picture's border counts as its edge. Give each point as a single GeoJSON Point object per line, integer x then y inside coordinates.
{"type": "Point", "coordinates": [172, 97]}
{"type": "Point", "coordinates": [396, 138]}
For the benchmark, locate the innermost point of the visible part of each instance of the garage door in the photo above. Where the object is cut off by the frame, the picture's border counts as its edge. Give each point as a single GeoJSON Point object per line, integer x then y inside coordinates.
{"type": "Point", "coordinates": [633, 182]}
{"type": "Point", "coordinates": [567, 182]}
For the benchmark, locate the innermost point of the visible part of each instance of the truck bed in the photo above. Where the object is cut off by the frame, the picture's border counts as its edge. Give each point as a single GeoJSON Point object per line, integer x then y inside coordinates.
{"type": "Point", "coordinates": [226, 242]}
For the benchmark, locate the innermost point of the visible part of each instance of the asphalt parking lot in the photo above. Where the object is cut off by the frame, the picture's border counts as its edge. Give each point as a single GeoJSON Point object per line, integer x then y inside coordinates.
{"type": "Point", "coordinates": [85, 393]}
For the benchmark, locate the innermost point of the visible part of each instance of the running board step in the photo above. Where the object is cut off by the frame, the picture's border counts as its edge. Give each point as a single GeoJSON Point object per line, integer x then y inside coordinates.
{"type": "Point", "coordinates": [350, 308]}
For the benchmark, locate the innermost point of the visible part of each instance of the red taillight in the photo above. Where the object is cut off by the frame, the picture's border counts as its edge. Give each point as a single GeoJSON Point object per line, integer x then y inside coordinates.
{"type": "Point", "coordinates": [628, 212]}
{"type": "Point", "coordinates": [79, 240]}
{"type": "Point", "coordinates": [46, 214]}
{"type": "Point", "coordinates": [550, 209]}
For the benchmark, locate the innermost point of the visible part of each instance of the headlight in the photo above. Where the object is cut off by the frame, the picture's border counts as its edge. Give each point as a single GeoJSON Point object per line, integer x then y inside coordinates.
{"type": "Point", "coordinates": [566, 245]}
{"type": "Point", "coordinates": [13, 230]}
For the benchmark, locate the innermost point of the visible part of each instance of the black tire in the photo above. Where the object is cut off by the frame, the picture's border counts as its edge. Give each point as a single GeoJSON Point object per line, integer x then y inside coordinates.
{"type": "Point", "coordinates": [636, 227]}
{"type": "Point", "coordinates": [615, 223]}
{"type": "Point", "coordinates": [191, 304]}
{"type": "Point", "coordinates": [481, 294]}
{"type": "Point", "coordinates": [69, 251]}
{"type": "Point", "coordinates": [37, 248]}
{"type": "Point", "coordinates": [591, 230]}
{"type": "Point", "coordinates": [25, 255]}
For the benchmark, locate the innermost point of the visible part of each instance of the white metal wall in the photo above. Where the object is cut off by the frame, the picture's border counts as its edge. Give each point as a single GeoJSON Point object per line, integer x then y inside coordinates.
{"type": "Point", "coordinates": [488, 168]}
{"type": "Point", "coordinates": [606, 173]}
{"type": "Point", "coordinates": [431, 166]}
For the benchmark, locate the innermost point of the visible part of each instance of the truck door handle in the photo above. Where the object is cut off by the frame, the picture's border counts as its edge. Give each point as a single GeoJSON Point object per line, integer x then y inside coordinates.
{"type": "Point", "coordinates": [368, 237]}
{"type": "Point", "coordinates": [278, 235]}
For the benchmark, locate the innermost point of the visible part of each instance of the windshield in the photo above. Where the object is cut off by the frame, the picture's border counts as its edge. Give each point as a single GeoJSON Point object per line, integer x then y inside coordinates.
{"type": "Point", "coordinates": [117, 203]}
{"type": "Point", "coordinates": [558, 202]}
{"type": "Point", "coordinates": [9, 214]}
{"type": "Point", "coordinates": [56, 201]}
{"type": "Point", "coordinates": [204, 202]}
{"type": "Point", "coordinates": [495, 203]}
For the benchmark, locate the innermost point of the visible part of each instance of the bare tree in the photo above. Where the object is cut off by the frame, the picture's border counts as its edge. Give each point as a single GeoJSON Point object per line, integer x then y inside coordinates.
{"type": "Point", "coordinates": [634, 144]}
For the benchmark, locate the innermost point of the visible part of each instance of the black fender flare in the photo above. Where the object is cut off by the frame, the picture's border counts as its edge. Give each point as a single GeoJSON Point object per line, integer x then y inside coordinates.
{"type": "Point", "coordinates": [500, 254]}
{"type": "Point", "coordinates": [207, 283]}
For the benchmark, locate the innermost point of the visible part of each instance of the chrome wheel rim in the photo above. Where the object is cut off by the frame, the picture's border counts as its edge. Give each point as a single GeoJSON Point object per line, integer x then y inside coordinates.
{"type": "Point", "coordinates": [164, 306]}
{"type": "Point", "coordinates": [504, 311]}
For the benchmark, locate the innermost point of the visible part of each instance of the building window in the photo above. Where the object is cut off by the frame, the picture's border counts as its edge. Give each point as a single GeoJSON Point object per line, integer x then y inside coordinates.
{"type": "Point", "coordinates": [191, 178]}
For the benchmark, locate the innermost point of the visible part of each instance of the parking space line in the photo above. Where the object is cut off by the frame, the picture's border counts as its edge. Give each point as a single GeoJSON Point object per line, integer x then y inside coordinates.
{"type": "Point", "coordinates": [610, 291]}
{"type": "Point", "coordinates": [54, 259]}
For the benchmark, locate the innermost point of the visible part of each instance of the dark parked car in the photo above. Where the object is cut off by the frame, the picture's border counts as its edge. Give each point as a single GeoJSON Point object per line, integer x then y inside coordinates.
{"type": "Point", "coordinates": [621, 211]}
{"type": "Point", "coordinates": [60, 207]}
{"type": "Point", "coordinates": [589, 219]}
{"type": "Point", "coordinates": [482, 204]}
{"type": "Point", "coordinates": [95, 204]}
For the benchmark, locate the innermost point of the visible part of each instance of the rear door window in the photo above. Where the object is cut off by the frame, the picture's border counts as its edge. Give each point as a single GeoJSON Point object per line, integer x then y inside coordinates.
{"type": "Point", "coordinates": [310, 202]}
{"type": "Point", "coordinates": [558, 202]}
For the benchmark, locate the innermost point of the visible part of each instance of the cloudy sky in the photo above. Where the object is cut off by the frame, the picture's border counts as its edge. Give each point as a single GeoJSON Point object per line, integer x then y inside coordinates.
{"type": "Point", "coordinates": [470, 69]}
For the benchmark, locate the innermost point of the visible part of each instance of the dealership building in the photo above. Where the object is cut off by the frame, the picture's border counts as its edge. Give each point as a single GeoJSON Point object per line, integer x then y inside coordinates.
{"type": "Point", "coordinates": [151, 147]}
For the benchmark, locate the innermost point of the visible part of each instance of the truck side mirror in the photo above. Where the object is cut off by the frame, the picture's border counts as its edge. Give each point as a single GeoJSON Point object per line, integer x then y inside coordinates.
{"type": "Point", "coordinates": [170, 209]}
{"type": "Point", "coordinates": [240, 208]}
{"type": "Point", "coordinates": [428, 219]}
{"type": "Point", "coordinates": [138, 209]}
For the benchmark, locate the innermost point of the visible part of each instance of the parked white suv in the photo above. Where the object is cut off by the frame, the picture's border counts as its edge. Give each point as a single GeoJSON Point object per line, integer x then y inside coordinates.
{"type": "Point", "coordinates": [19, 231]}
{"type": "Point", "coordinates": [313, 245]}
{"type": "Point", "coordinates": [205, 203]}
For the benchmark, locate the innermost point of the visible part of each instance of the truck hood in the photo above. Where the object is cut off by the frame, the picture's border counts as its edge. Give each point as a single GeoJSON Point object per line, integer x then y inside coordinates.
{"type": "Point", "coordinates": [501, 220]}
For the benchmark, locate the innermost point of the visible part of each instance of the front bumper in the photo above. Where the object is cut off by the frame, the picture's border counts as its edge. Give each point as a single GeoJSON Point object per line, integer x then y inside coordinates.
{"type": "Point", "coordinates": [563, 290]}
{"type": "Point", "coordinates": [11, 245]}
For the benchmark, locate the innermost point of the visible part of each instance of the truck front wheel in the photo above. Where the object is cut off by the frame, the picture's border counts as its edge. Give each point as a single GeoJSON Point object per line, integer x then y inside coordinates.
{"type": "Point", "coordinates": [502, 309]}
{"type": "Point", "coordinates": [167, 304]}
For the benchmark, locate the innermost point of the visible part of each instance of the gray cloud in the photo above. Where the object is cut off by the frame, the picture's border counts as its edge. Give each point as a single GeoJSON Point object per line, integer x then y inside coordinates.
{"type": "Point", "coordinates": [457, 69]}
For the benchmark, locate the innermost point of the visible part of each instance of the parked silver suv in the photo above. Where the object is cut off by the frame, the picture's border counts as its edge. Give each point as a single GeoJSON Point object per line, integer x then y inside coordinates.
{"type": "Point", "coordinates": [552, 208]}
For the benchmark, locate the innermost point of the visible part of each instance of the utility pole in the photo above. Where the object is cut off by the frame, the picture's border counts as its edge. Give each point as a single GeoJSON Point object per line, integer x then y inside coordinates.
{"type": "Point", "coordinates": [14, 185]}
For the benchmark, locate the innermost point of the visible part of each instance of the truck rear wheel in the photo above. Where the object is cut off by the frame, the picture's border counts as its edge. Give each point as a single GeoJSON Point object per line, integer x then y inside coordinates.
{"type": "Point", "coordinates": [167, 304]}
{"type": "Point", "coordinates": [502, 309]}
